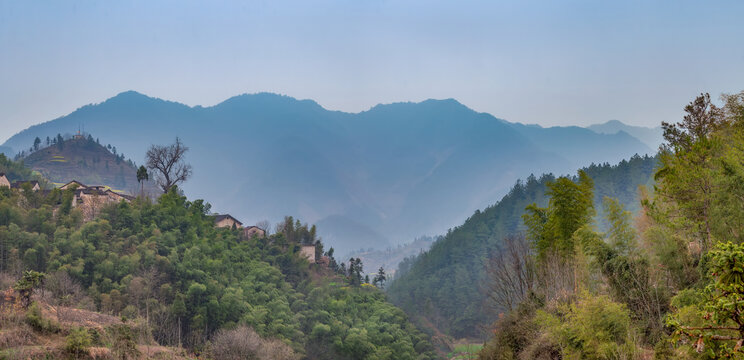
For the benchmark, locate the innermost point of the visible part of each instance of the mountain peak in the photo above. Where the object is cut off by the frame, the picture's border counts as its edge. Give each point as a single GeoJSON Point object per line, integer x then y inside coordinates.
{"type": "Point", "coordinates": [129, 95]}
{"type": "Point", "coordinates": [614, 122]}
{"type": "Point", "coordinates": [652, 137]}
{"type": "Point", "coordinates": [266, 99]}
{"type": "Point", "coordinates": [449, 104]}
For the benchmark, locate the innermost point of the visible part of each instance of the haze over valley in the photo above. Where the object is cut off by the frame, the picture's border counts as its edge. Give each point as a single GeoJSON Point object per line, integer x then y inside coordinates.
{"type": "Point", "coordinates": [371, 180]}
{"type": "Point", "coordinates": [368, 180]}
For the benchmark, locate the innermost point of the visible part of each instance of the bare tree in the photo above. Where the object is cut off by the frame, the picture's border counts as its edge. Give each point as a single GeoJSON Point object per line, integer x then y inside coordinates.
{"type": "Point", "coordinates": [151, 279]}
{"type": "Point", "coordinates": [244, 343]}
{"type": "Point", "coordinates": [557, 277]}
{"type": "Point", "coordinates": [511, 272]}
{"type": "Point", "coordinates": [61, 291]}
{"type": "Point", "coordinates": [264, 225]}
{"type": "Point", "coordinates": [168, 164]}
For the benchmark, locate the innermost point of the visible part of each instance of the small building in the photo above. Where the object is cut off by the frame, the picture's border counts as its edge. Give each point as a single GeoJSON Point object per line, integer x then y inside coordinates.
{"type": "Point", "coordinates": [308, 251]}
{"type": "Point", "coordinates": [226, 220]}
{"type": "Point", "coordinates": [91, 201]}
{"type": "Point", "coordinates": [253, 230]}
{"type": "Point", "coordinates": [19, 185]}
{"type": "Point", "coordinates": [4, 180]}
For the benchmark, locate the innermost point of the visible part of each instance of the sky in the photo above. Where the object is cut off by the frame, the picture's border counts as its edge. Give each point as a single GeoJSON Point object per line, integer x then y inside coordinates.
{"type": "Point", "coordinates": [544, 62]}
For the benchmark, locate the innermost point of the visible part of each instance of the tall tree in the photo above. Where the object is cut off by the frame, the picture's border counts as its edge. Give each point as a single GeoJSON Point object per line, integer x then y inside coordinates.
{"type": "Point", "coordinates": [37, 142]}
{"type": "Point", "coordinates": [168, 163]}
{"type": "Point", "coordinates": [380, 278]}
{"type": "Point", "coordinates": [571, 206]}
{"type": "Point", "coordinates": [686, 177]}
{"type": "Point", "coordinates": [142, 176]}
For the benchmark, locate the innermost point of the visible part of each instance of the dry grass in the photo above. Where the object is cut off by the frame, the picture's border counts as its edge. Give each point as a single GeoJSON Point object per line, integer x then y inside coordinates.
{"type": "Point", "coordinates": [19, 341]}
{"type": "Point", "coordinates": [17, 336]}
{"type": "Point", "coordinates": [70, 317]}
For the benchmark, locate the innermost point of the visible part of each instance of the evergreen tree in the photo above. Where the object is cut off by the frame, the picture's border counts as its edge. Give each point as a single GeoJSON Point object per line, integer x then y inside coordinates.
{"type": "Point", "coordinates": [571, 206]}
{"type": "Point", "coordinates": [142, 176]}
{"type": "Point", "coordinates": [380, 278]}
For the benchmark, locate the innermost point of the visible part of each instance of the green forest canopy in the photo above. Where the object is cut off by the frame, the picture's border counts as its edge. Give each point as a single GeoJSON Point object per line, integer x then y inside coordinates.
{"type": "Point", "coordinates": [445, 285]}
{"type": "Point", "coordinates": [166, 263]}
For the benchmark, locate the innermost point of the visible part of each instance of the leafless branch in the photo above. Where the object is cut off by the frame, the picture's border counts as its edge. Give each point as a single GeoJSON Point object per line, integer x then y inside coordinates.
{"type": "Point", "coordinates": [168, 164]}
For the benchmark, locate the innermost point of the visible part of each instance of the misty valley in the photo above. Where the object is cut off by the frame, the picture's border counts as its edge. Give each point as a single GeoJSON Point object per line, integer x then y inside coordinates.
{"type": "Point", "coordinates": [271, 228]}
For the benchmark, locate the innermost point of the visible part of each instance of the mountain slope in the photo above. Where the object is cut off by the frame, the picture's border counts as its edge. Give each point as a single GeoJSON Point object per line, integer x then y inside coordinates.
{"type": "Point", "coordinates": [439, 286]}
{"type": "Point", "coordinates": [400, 170]}
{"type": "Point", "coordinates": [652, 137]}
{"type": "Point", "coordinates": [7, 151]}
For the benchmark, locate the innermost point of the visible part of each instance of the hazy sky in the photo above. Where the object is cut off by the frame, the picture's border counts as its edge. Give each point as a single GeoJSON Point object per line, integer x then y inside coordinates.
{"type": "Point", "coordinates": [547, 62]}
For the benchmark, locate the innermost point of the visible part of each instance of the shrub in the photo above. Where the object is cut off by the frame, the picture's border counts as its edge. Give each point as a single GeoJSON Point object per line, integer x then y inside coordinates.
{"type": "Point", "coordinates": [594, 327]}
{"type": "Point", "coordinates": [514, 332]}
{"type": "Point", "coordinates": [77, 343]}
{"type": "Point", "coordinates": [244, 343]}
{"type": "Point", "coordinates": [123, 344]}
{"type": "Point", "coordinates": [37, 321]}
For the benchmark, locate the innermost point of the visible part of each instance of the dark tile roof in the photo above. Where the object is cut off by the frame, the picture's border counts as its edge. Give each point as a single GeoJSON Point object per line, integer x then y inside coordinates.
{"type": "Point", "coordinates": [76, 182]}
{"type": "Point", "coordinates": [88, 191]}
{"type": "Point", "coordinates": [218, 218]}
{"type": "Point", "coordinates": [18, 184]}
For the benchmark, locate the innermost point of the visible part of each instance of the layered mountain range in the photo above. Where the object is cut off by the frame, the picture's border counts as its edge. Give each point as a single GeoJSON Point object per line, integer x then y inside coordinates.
{"type": "Point", "coordinates": [368, 180]}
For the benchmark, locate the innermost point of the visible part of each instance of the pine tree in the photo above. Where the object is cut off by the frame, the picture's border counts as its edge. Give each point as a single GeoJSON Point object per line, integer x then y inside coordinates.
{"type": "Point", "coordinates": [380, 278]}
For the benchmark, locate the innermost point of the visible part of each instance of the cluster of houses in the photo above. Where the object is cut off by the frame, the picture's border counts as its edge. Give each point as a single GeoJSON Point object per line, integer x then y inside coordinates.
{"type": "Point", "coordinates": [228, 221]}
{"type": "Point", "coordinates": [18, 184]}
{"type": "Point", "coordinates": [91, 198]}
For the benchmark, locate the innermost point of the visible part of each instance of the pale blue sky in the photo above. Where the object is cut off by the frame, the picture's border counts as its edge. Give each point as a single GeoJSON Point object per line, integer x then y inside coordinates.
{"type": "Point", "coordinates": [546, 62]}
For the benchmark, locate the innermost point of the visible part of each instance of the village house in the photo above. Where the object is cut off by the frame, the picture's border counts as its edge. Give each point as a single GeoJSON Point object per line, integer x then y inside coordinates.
{"type": "Point", "coordinates": [308, 251]}
{"type": "Point", "coordinates": [90, 199]}
{"type": "Point", "coordinates": [19, 185]}
{"type": "Point", "coordinates": [254, 230]}
{"type": "Point", "coordinates": [226, 220]}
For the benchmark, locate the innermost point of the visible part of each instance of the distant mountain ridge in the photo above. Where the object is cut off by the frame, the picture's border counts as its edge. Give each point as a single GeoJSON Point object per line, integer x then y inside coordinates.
{"type": "Point", "coordinates": [381, 176]}
{"type": "Point", "coordinates": [652, 137]}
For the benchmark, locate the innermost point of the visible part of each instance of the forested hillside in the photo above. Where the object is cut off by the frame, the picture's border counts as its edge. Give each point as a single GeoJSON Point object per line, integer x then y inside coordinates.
{"type": "Point", "coordinates": [668, 284]}
{"type": "Point", "coordinates": [446, 286]}
{"type": "Point", "coordinates": [15, 171]}
{"type": "Point", "coordinates": [371, 179]}
{"type": "Point", "coordinates": [84, 159]}
{"type": "Point", "coordinates": [175, 279]}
